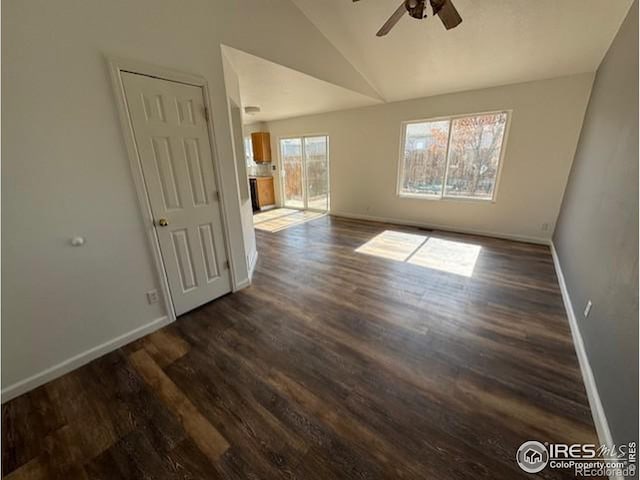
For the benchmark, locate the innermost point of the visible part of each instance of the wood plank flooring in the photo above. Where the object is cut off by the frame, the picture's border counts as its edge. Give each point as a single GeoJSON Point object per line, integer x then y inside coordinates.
{"type": "Point", "coordinates": [333, 364]}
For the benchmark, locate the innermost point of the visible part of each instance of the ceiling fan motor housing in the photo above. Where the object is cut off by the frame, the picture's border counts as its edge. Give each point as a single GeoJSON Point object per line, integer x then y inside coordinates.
{"type": "Point", "coordinates": [416, 8]}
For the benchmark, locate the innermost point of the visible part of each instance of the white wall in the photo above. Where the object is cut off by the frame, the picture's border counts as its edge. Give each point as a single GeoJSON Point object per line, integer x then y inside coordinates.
{"type": "Point", "coordinates": [246, 211]}
{"type": "Point", "coordinates": [365, 146]}
{"type": "Point", "coordinates": [250, 128]}
{"type": "Point", "coordinates": [65, 170]}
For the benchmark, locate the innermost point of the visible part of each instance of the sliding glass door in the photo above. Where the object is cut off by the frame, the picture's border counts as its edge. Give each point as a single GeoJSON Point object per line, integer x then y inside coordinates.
{"type": "Point", "coordinates": [305, 172]}
{"type": "Point", "coordinates": [292, 172]}
{"type": "Point", "coordinates": [317, 173]}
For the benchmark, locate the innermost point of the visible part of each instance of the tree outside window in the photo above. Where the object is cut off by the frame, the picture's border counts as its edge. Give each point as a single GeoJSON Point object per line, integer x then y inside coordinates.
{"type": "Point", "coordinates": [453, 158]}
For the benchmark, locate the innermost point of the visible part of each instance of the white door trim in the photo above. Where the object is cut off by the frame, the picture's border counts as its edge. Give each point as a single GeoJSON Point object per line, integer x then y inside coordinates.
{"type": "Point", "coordinates": [118, 65]}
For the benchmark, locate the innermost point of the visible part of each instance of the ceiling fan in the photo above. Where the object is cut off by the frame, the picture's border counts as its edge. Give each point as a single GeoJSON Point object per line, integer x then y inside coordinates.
{"type": "Point", "coordinates": [418, 9]}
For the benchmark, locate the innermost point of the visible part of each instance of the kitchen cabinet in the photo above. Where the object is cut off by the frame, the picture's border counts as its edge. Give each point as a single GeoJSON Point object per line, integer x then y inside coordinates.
{"type": "Point", "coordinates": [261, 144]}
{"type": "Point", "coordinates": [262, 193]}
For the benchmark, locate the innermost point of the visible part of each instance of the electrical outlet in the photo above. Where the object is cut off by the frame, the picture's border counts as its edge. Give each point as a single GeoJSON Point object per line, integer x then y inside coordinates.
{"type": "Point", "coordinates": [152, 297]}
{"type": "Point", "coordinates": [544, 227]}
{"type": "Point", "coordinates": [587, 309]}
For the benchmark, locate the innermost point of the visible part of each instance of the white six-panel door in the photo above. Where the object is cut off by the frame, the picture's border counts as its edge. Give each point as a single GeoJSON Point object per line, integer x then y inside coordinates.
{"type": "Point", "coordinates": [169, 124]}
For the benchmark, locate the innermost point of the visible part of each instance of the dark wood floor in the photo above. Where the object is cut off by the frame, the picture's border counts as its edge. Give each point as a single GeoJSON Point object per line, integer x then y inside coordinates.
{"type": "Point", "coordinates": [333, 364]}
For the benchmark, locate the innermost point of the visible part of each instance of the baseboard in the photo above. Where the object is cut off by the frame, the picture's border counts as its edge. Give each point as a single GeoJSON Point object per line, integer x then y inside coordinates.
{"type": "Point", "coordinates": [242, 284]}
{"type": "Point", "coordinates": [445, 228]}
{"type": "Point", "coordinates": [79, 360]}
{"type": "Point", "coordinates": [252, 265]}
{"type": "Point", "coordinates": [247, 281]}
{"type": "Point", "coordinates": [597, 411]}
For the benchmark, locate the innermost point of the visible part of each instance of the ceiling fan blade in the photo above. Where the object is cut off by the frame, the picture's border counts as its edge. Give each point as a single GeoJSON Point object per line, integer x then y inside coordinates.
{"type": "Point", "coordinates": [393, 19]}
{"type": "Point", "coordinates": [447, 13]}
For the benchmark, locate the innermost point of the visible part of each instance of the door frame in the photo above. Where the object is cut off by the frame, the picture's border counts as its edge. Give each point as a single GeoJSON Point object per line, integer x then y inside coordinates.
{"type": "Point", "coordinates": [304, 171]}
{"type": "Point", "coordinates": [117, 66]}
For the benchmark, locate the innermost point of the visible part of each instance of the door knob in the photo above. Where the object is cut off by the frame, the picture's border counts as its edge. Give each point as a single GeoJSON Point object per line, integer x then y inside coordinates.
{"type": "Point", "coordinates": [163, 222]}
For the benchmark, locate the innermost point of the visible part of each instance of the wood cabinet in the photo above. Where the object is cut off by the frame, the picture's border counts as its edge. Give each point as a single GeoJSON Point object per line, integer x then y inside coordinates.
{"type": "Point", "coordinates": [261, 144]}
{"type": "Point", "coordinates": [262, 193]}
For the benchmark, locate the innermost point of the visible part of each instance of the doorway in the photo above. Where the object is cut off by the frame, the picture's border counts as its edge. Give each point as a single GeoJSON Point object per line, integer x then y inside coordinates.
{"type": "Point", "coordinates": [305, 172]}
{"type": "Point", "coordinates": [176, 180]}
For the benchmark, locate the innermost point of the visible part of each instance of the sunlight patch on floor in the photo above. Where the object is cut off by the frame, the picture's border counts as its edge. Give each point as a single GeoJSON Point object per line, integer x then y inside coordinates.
{"type": "Point", "coordinates": [287, 220]}
{"type": "Point", "coordinates": [437, 253]}
{"type": "Point", "coordinates": [447, 256]}
{"type": "Point", "coordinates": [273, 213]}
{"type": "Point", "coordinates": [393, 245]}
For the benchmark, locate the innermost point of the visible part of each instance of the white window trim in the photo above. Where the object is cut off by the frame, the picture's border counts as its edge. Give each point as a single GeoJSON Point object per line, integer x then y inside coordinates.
{"type": "Point", "coordinates": [248, 159]}
{"type": "Point", "coordinates": [443, 197]}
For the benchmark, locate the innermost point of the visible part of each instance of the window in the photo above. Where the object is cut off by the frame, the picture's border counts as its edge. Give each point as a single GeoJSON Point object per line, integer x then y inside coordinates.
{"type": "Point", "coordinates": [457, 157]}
{"type": "Point", "coordinates": [248, 150]}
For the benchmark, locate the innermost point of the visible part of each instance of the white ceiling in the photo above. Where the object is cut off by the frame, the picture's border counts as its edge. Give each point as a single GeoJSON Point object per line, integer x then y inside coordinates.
{"type": "Point", "coordinates": [281, 92]}
{"type": "Point", "coordinates": [498, 42]}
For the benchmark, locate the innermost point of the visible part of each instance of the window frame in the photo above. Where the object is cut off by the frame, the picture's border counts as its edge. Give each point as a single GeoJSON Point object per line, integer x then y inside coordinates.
{"type": "Point", "coordinates": [281, 173]}
{"type": "Point", "coordinates": [443, 196]}
{"type": "Point", "coordinates": [248, 159]}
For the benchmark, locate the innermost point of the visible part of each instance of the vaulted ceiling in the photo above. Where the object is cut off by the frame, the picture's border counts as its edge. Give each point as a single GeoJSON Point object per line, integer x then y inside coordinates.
{"type": "Point", "coordinates": [282, 92]}
{"type": "Point", "coordinates": [498, 42]}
